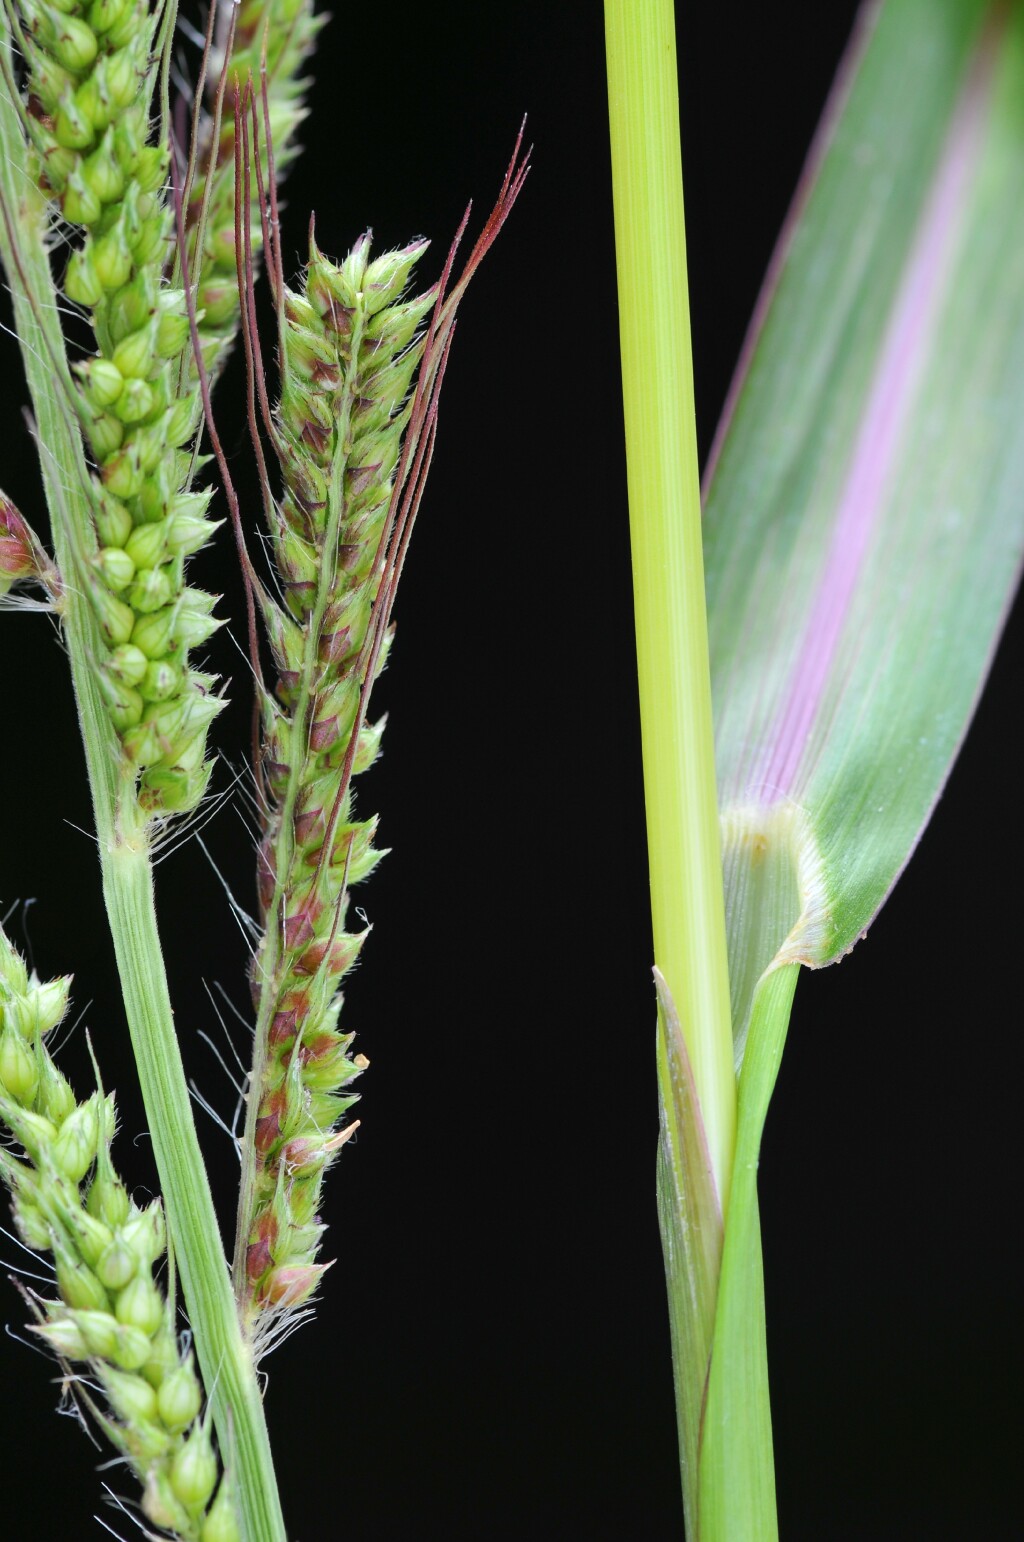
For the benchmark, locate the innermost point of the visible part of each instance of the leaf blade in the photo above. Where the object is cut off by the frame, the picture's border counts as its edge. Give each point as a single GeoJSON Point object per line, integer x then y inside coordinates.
{"type": "Point", "coordinates": [847, 509]}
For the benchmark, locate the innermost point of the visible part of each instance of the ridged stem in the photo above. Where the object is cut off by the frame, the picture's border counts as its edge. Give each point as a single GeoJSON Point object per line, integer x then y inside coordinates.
{"type": "Point", "coordinates": [227, 1366]}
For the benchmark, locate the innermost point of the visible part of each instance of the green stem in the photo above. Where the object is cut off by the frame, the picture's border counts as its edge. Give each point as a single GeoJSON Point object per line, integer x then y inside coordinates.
{"type": "Point", "coordinates": [687, 906]}
{"type": "Point", "coordinates": [226, 1363]}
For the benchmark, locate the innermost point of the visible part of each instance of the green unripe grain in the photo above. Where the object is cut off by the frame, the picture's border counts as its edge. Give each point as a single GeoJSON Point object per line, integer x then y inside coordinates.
{"type": "Point", "coordinates": [151, 591]}
{"type": "Point", "coordinates": [117, 1266]}
{"type": "Point", "coordinates": [19, 1074]}
{"type": "Point", "coordinates": [71, 40]}
{"type": "Point", "coordinates": [131, 1397]}
{"type": "Point", "coordinates": [194, 1472]}
{"type": "Point", "coordinates": [179, 1398]}
{"type": "Point", "coordinates": [108, 1200]}
{"type": "Point", "coordinates": [79, 1286]}
{"type": "Point", "coordinates": [74, 1149]}
{"type": "Point", "coordinates": [116, 568]}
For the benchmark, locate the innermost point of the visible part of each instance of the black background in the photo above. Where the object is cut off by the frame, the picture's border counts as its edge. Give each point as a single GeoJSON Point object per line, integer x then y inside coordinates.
{"type": "Point", "coordinates": [491, 1355]}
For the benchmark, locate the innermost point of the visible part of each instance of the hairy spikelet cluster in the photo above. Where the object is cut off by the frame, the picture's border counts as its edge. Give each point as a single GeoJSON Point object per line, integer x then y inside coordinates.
{"type": "Point", "coordinates": [109, 1314]}
{"type": "Point", "coordinates": [350, 352]}
{"type": "Point", "coordinates": [272, 38]}
{"type": "Point", "coordinates": [90, 73]}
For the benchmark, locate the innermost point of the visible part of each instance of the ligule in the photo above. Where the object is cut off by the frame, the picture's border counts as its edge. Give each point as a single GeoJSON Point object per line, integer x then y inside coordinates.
{"type": "Point", "coordinates": [89, 80]}
{"type": "Point", "coordinates": [109, 1313]}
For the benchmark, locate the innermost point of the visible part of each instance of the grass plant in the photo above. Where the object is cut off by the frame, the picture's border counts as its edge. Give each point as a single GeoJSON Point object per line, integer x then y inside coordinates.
{"type": "Point", "coordinates": [810, 650]}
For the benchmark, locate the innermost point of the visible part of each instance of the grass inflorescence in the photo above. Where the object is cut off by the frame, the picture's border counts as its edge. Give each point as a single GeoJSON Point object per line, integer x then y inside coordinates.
{"type": "Point", "coordinates": [109, 1316]}
{"type": "Point", "coordinates": [362, 361]}
{"type": "Point", "coordinates": [90, 75]}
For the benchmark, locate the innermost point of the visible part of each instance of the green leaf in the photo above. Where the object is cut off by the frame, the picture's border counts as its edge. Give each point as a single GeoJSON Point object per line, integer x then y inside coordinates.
{"type": "Point", "coordinates": [865, 519]}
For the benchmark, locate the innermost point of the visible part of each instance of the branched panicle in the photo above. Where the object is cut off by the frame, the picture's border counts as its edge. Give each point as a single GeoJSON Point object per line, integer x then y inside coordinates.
{"type": "Point", "coordinates": [275, 37]}
{"type": "Point", "coordinates": [361, 366]}
{"type": "Point", "coordinates": [109, 1314]}
{"type": "Point", "coordinates": [90, 73]}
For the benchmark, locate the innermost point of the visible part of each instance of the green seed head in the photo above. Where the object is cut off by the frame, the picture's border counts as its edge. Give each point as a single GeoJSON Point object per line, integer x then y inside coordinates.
{"type": "Point", "coordinates": [172, 333]}
{"type": "Point", "coordinates": [386, 277]}
{"type": "Point", "coordinates": [104, 13]}
{"type": "Point", "coordinates": [135, 354]}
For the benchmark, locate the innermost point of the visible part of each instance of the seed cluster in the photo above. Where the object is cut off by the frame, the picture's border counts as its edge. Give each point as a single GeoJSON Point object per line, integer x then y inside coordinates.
{"type": "Point", "coordinates": [350, 352]}
{"type": "Point", "coordinates": [109, 1312]}
{"type": "Point", "coordinates": [277, 34]}
{"type": "Point", "coordinates": [89, 81]}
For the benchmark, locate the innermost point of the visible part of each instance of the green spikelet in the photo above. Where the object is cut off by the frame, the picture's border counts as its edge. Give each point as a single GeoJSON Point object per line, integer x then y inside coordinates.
{"type": "Point", "coordinates": [109, 1313]}
{"type": "Point", "coordinates": [90, 75]}
{"type": "Point", "coordinates": [287, 30]}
